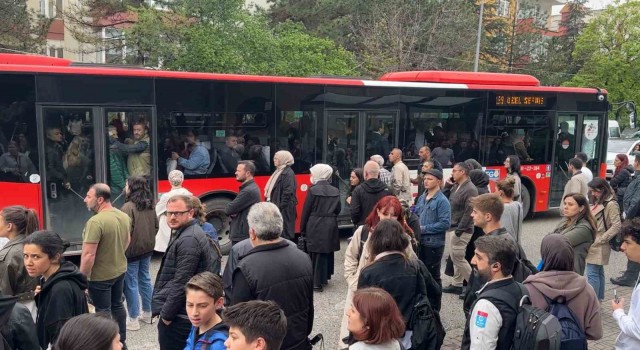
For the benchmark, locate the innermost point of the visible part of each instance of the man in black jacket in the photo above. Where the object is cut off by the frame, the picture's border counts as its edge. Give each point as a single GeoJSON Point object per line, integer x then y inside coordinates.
{"type": "Point", "coordinates": [238, 209]}
{"type": "Point", "coordinates": [189, 253]}
{"type": "Point", "coordinates": [276, 270]}
{"type": "Point", "coordinates": [367, 194]}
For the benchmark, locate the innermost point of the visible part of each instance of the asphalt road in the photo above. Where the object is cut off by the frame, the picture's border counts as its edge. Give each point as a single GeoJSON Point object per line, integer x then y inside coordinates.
{"type": "Point", "coordinates": [329, 304]}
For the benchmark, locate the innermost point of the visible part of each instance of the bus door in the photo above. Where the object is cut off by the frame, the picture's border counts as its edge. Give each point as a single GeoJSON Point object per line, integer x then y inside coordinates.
{"type": "Point", "coordinates": [129, 149]}
{"type": "Point", "coordinates": [352, 137]}
{"type": "Point", "coordinates": [70, 168]}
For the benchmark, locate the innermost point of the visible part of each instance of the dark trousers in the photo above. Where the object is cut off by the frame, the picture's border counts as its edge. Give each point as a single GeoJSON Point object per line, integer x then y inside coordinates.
{"type": "Point", "coordinates": [432, 258]}
{"type": "Point", "coordinates": [633, 269]}
{"type": "Point", "coordinates": [107, 297]}
{"type": "Point", "coordinates": [174, 336]}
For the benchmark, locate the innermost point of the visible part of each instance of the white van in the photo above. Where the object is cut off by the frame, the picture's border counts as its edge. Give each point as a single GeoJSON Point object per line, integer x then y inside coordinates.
{"type": "Point", "coordinates": [614, 129]}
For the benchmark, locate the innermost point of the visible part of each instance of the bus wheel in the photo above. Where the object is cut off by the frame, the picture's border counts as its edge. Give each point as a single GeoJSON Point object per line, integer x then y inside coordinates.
{"type": "Point", "coordinates": [526, 202]}
{"type": "Point", "coordinates": [220, 220]}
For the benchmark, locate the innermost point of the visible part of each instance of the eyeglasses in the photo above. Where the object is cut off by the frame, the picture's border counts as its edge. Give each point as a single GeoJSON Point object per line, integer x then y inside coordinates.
{"type": "Point", "coordinates": [177, 213]}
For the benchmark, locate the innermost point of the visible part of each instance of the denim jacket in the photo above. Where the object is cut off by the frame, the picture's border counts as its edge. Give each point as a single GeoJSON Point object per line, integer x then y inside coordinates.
{"type": "Point", "coordinates": [212, 339]}
{"type": "Point", "coordinates": [435, 219]}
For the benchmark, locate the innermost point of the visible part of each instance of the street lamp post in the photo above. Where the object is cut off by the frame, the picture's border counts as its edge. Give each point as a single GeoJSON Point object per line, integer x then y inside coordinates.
{"type": "Point", "coordinates": [477, 58]}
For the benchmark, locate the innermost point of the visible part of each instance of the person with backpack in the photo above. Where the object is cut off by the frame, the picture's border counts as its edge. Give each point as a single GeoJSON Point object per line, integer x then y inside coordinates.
{"type": "Point", "coordinates": [486, 213]}
{"type": "Point", "coordinates": [356, 256]}
{"type": "Point", "coordinates": [557, 284]}
{"type": "Point", "coordinates": [389, 268]}
{"type": "Point", "coordinates": [204, 301]}
{"type": "Point", "coordinates": [607, 214]}
{"type": "Point", "coordinates": [492, 321]}
{"type": "Point", "coordinates": [629, 324]}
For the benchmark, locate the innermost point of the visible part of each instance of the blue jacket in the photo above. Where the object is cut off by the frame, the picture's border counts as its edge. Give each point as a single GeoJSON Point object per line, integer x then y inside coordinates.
{"type": "Point", "coordinates": [435, 219]}
{"type": "Point", "coordinates": [198, 162]}
{"type": "Point", "coordinates": [212, 339]}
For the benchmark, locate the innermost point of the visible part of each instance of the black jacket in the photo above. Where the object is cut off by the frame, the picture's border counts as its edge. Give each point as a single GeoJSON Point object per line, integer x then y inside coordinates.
{"type": "Point", "coordinates": [20, 331]}
{"type": "Point", "coordinates": [284, 196]}
{"type": "Point", "coordinates": [622, 179]}
{"type": "Point", "coordinates": [507, 311]}
{"type": "Point", "coordinates": [398, 276]}
{"type": "Point", "coordinates": [189, 253]}
{"type": "Point", "coordinates": [282, 273]}
{"type": "Point", "coordinates": [6, 305]}
{"type": "Point", "coordinates": [62, 297]}
{"type": "Point", "coordinates": [364, 199]}
{"type": "Point", "coordinates": [319, 222]}
{"type": "Point", "coordinates": [461, 209]}
{"type": "Point", "coordinates": [238, 209]}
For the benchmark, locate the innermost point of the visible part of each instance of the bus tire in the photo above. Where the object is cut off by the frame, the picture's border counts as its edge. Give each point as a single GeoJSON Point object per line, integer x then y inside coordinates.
{"type": "Point", "coordinates": [220, 220]}
{"type": "Point", "coordinates": [526, 202]}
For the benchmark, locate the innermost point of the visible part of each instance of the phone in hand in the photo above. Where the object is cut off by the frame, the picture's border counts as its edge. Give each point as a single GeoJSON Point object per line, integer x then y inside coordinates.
{"type": "Point", "coordinates": [615, 296]}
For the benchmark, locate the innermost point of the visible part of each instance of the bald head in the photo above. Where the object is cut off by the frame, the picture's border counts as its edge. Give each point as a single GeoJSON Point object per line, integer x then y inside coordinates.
{"type": "Point", "coordinates": [395, 155]}
{"type": "Point", "coordinates": [102, 191]}
{"type": "Point", "coordinates": [371, 170]}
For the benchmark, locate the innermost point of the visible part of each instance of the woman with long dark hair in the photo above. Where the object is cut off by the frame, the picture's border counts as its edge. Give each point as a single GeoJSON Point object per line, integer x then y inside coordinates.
{"type": "Point", "coordinates": [607, 214]}
{"type": "Point", "coordinates": [61, 287]}
{"type": "Point", "coordinates": [137, 280]}
{"type": "Point", "coordinates": [281, 191]}
{"type": "Point", "coordinates": [374, 320]}
{"type": "Point", "coordinates": [90, 331]}
{"type": "Point", "coordinates": [356, 178]}
{"type": "Point", "coordinates": [16, 224]}
{"type": "Point", "coordinates": [512, 164]}
{"type": "Point", "coordinates": [389, 268]}
{"type": "Point", "coordinates": [579, 226]}
{"type": "Point", "coordinates": [357, 253]}
{"type": "Point", "coordinates": [621, 177]}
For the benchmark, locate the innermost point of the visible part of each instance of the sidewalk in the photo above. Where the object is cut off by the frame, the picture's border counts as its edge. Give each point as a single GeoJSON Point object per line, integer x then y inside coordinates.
{"type": "Point", "coordinates": [610, 328]}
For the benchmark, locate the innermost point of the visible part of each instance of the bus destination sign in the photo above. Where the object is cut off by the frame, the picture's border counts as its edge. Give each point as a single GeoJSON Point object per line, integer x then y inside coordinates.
{"type": "Point", "coordinates": [520, 100]}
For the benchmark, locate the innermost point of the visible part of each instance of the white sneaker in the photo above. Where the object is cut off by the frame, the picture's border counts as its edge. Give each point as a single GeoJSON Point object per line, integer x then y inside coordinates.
{"type": "Point", "coordinates": [146, 317]}
{"type": "Point", "coordinates": [133, 324]}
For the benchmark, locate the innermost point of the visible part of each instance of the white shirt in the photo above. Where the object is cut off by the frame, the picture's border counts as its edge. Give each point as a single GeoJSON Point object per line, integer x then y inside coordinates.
{"type": "Point", "coordinates": [629, 337]}
{"type": "Point", "coordinates": [484, 325]}
{"type": "Point", "coordinates": [587, 172]}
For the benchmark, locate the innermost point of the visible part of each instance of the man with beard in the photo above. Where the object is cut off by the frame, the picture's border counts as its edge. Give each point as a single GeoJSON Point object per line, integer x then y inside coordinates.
{"type": "Point", "coordinates": [190, 252]}
{"type": "Point", "coordinates": [139, 154]}
{"type": "Point", "coordinates": [492, 322]}
{"type": "Point", "coordinates": [105, 239]}
{"type": "Point", "coordinates": [238, 209]}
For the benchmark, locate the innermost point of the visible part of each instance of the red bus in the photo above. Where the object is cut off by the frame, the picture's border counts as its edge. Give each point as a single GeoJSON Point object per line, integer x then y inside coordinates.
{"type": "Point", "coordinates": [57, 114]}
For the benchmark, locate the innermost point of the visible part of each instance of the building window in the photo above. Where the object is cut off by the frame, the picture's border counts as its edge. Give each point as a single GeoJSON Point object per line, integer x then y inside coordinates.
{"type": "Point", "coordinates": [503, 8]}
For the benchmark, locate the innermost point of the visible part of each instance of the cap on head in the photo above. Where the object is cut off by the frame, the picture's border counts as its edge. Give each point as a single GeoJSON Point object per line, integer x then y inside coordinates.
{"type": "Point", "coordinates": [435, 173]}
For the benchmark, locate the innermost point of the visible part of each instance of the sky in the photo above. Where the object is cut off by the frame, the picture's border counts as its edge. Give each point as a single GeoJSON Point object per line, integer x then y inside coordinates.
{"type": "Point", "coordinates": [593, 4]}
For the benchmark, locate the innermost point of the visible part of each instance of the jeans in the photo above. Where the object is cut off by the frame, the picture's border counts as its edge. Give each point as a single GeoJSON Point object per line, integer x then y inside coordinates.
{"type": "Point", "coordinates": [107, 298]}
{"type": "Point", "coordinates": [137, 281]}
{"type": "Point", "coordinates": [595, 276]}
{"type": "Point", "coordinates": [174, 336]}
{"type": "Point", "coordinates": [432, 259]}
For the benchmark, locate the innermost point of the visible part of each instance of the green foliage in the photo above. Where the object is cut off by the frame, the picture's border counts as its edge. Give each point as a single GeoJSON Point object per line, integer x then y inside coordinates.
{"type": "Point", "coordinates": [21, 30]}
{"type": "Point", "coordinates": [197, 36]}
{"type": "Point", "coordinates": [610, 50]}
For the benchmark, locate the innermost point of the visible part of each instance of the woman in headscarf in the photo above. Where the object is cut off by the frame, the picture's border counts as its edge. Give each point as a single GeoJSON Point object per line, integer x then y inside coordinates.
{"type": "Point", "coordinates": [281, 191]}
{"type": "Point", "coordinates": [176, 177]}
{"type": "Point", "coordinates": [557, 279]}
{"type": "Point", "coordinates": [319, 224]}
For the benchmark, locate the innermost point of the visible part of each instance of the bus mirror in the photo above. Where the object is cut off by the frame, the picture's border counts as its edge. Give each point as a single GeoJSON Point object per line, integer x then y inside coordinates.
{"type": "Point", "coordinates": [34, 178]}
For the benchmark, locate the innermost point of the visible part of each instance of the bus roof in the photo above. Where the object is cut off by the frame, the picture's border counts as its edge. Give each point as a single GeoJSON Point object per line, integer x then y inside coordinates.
{"type": "Point", "coordinates": [418, 79]}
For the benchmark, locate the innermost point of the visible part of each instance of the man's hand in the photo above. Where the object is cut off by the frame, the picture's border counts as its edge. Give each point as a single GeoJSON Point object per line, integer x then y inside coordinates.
{"type": "Point", "coordinates": [619, 305]}
{"type": "Point", "coordinates": [166, 322]}
{"type": "Point", "coordinates": [174, 156]}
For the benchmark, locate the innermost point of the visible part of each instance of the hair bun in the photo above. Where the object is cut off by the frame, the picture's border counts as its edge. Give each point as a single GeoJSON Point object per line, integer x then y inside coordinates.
{"type": "Point", "coordinates": [66, 244]}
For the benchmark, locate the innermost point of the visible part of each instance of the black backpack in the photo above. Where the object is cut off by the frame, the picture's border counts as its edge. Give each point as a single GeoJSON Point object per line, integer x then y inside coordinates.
{"type": "Point", "coordinates": [573, 336]}
{"type": "Point", "coordinates": [522, 267]}
{"type": "Point", "coordinates": [428, 331]}
{"type": "Point", "coordinates": [536, 329]}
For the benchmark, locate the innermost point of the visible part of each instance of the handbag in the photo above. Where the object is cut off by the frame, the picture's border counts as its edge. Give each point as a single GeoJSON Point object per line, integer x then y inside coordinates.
{"type": "Point", "coordinates": [302, 243]}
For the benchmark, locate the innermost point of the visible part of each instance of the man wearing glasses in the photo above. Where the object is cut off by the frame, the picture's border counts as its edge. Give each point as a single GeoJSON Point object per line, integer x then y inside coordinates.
{"type": "Point", "coordinates": [189, 253]}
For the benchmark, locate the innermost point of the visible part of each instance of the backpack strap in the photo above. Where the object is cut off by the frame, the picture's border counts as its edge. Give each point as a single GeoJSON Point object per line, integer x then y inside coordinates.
{"type": "Point", "coordinates": [364, 235]}
{"type": "Point", "coordinates": [511, 300]}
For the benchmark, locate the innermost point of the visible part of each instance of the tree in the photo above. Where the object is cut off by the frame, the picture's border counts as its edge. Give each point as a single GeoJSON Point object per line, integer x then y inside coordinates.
{"type": "Point", "coordinates": [610, 49]}
{"type": "Point", "coordinates": [21, 30]}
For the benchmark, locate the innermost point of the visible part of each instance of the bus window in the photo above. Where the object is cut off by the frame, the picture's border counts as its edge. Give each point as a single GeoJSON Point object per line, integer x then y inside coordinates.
{"type": "Point", "coordinates": [590, 144]}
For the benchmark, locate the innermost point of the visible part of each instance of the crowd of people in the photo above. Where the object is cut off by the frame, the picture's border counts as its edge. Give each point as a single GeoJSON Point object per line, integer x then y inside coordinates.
{"type": "Point", "coordinates": [264, 297]}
